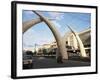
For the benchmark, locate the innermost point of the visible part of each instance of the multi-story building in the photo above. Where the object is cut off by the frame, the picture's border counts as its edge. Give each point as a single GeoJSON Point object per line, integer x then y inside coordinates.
{"type": "Point", "coordinates": [85, 36]}
{"type": "Point", "coordinates": [71, 42]}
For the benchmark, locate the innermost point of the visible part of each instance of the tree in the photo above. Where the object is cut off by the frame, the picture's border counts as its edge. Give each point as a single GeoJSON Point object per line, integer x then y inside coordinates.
{"type": "Point", "coordinates": [44, 51]}
{"type": "Point", "coordinates": [29, 53]}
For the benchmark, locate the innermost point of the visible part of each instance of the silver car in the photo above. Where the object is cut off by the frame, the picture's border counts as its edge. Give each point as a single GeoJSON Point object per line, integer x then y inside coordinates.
{"type": "Point", "coordinates": [27, 61]}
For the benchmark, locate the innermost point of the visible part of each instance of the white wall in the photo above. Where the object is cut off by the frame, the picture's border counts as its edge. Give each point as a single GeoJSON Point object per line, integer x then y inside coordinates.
{"type": "Point", "coordinates": [5, 40]}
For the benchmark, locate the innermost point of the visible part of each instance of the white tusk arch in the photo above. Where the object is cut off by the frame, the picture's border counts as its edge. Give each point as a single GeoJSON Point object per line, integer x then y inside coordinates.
{"type": "Point", "coordinates": [61, 45]}
{"type": "Point", "coordinates": [29, 24]}
{"type": "Point", "coordinates": [81, 46]}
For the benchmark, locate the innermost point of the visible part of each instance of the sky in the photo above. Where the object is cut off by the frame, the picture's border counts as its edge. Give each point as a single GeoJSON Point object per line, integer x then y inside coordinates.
{"type": "Point", "coordinates": [40, 33]}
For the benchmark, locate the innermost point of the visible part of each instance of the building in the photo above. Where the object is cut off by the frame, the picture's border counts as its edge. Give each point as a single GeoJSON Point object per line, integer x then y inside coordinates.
{"type": "Point", "coordinates": [47, 48]}
{"type": "Point", "coordinates": [71, 41]}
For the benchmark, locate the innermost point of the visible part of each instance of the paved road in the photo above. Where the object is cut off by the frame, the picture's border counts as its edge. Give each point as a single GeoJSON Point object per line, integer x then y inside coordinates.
{"type": "Point", "coordinates": [44, 62]}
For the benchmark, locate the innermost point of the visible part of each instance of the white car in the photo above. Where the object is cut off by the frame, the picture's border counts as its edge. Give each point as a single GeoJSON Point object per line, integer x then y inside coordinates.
{"type": "Point", "coordinates": [27, 61]}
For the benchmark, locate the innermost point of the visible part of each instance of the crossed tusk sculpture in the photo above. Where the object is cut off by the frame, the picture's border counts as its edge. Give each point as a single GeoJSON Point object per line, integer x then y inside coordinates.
{"type": "Point", "coordinates": [61, 44]}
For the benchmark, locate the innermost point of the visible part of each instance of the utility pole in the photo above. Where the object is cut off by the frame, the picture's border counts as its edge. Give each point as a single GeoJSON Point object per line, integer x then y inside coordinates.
{"type": "Point", "coordinates": [35, 48]}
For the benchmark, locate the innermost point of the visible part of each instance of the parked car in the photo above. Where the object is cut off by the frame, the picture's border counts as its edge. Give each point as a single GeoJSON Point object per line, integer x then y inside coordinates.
{"type": "Point", "coordinates": [27, 61]}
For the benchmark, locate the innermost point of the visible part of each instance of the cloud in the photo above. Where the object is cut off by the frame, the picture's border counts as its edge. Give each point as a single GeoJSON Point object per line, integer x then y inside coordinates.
{"type": "Point", "coordinates": [28, 38]}
{"type": "Point", "coordinates": [56, 15]}
{"type": "Point", "coordinates": [43, 40]}
{"type": "Point", "coordinates": [26, 45]}
{"type": "Point", "coordinates": [28, 12]}
{"type": "Point", "coordinates": [31, 37]}
{"type": "Point", "coordinates": [57, 24]}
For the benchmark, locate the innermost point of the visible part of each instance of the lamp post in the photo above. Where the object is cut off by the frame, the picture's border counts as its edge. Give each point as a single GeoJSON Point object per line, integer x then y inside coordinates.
{"type": "Point", "coordinates": [35, 49]}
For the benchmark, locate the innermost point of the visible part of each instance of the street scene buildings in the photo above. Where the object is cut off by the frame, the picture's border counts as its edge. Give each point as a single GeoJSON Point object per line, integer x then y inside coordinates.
{"type": "Point", "coordinates": [71, 43]}
{"type": "Point", "coordinates": [63, 49]}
